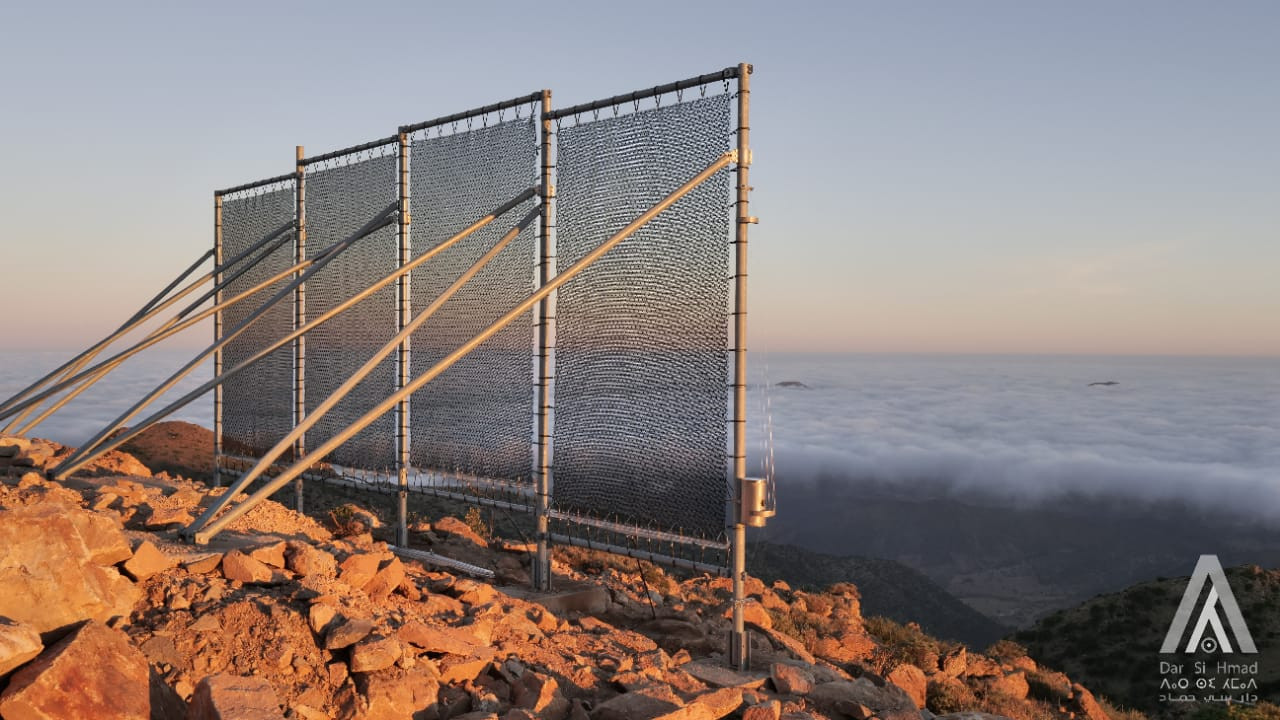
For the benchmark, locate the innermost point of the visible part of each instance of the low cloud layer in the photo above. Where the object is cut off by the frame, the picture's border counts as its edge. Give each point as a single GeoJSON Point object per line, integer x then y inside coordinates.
{"type": "Point", "coordinates": [97, 407]}
{"type": "Point", "coordinates": [1016, 429]}
{"type": "Point", "coordinates": [1032, 429]}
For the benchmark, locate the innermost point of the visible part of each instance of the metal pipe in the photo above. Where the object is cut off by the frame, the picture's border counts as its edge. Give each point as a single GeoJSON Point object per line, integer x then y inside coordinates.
{"type": "Point", "coordinates": [168, 288]}
{"type": "Point", "coordinates": [97, 372]}
{"type": "Point", "coordinates": [495, 107]}
{"type": "Point", "coordinates": [254, 184]}
{"type": "Point", "coordinates": [728, 73]}
{"type": "Point", "coordinates": [89, 451]}
{"type": "Point", "coordinates": [739, 645]}
{"type": "Point", "coordinates": [442, 561]}
{"type": "Point", "coordinates": [402, 377]}
{"type": "Point", "coordinates": [258, 244]}
{"type": "Point", "coordinates": [85, 357]}
{"type": "Point", "coordinates": [205, 532]}
{"type": "Point", "coordinates": [542, 430]}
{"type": "Point", "coordinates": [171, 327]}
{"type": "Point", "coordinates": [371, 145]}
{"type": "Point", "coordinates": [280, 239]}
{"type": "Point", "coordinates": [329, 314]}
{"type": "Point", "coordinates": [359, 375]}
{"type": "Point", "coordinates": [655, 558]}
{"type": "Point", "coordinates": [636, 531]}
{"type": "Point", "coordinates": [77, 362]}
{"type": "Point", "coordinates": [300, 315]}
{"type": "Point", "coordinates": [217, 335]}
{"type": "Point", "coordinates": [74, 365]}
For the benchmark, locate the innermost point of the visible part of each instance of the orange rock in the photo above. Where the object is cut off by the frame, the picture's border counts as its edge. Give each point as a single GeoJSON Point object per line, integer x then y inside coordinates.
{"type": "Point", "coordinates": [227, 697]}
{"type": "Point", "coordinates": [49, 578]}
{"type": "Point", "coordinates": [147, 560]}
{"type": "Point", "coordinates": [374, 653]}
{"type": "Point", "coordinates": [270, 554]}
{"type": "Point", "coordinates": [109, 675]}
{"type": "Point", "coordinates": [359, 569]}
{"type": "Point", "coordinates": [19, 642]}
{"type": "Point", "coordinates": [387, 579]}
{"type": "Point", "coordinates": [912, 680]}
{"type": "Point", "coordinates": [238, 566]}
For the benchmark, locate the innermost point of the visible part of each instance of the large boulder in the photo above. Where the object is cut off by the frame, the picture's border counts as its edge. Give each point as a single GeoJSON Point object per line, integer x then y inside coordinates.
{"type": "Point", "coordinates": [52, 572]}
{"type": "Point", "coordinates": [649, 702]}
{"type": "Point", "coordinates": [396, 694]}
{"type": "Point", "coordinates": [92, 673]}
{"type": "Point", "coordinates": [887, 703]}
{"type": "Point", "coordinates": [913, 681]}
{"type": "Point", "coordinates": [228, 697]}
{"type": "Point", "coordinates": [19, 642]}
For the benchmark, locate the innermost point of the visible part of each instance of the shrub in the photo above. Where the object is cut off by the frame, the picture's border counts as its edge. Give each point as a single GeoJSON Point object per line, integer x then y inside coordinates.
{"type": "Point", "coordinates": [345, 521]}
{"type": "Point", "coordinates": [942, 698]}
{"type": "Point", "coordinates": [1006, 651]}
{"type": "Point", "coordinates": [1005, 705]}
{"type": "Point", "coordinates": [475, 521]}
{"type": "Point", "coordinates": [900, 644]}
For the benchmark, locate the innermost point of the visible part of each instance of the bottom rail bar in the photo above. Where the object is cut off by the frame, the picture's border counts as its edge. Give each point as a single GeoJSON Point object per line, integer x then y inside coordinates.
{"type": "Point", "coordinates": [655, 558]}
{"type": "Point", "coordinates": [442, 561]}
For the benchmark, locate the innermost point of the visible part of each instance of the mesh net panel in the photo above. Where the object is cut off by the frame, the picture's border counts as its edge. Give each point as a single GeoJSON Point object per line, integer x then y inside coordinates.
{"type": "Point", "coordinates": [340, 200]}
{"type": "Point", "coordinates": [257, 409]}
{"type": "Point", "coordinates": [641, 377]}
{"type": "Point", "coordinates": [478, 415]}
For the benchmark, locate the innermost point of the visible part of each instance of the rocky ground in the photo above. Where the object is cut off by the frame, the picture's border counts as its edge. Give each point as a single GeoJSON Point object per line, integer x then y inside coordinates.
{"type": "Point", "coordinates": [104, 613]}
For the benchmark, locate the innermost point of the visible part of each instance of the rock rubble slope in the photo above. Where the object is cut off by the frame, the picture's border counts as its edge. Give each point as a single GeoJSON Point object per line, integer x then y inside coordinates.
{"type": "Point", "coordinates": [105, 614]}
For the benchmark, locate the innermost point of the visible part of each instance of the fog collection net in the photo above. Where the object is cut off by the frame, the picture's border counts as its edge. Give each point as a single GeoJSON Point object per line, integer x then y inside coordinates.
{"type": "Point", "coordinates": [339, 201]}
{"type": "Point", "coordinates": [476, 417]}
{"type": "Point", "coordinates": [641, 376]}
{"type": "Point", "coordinates": [258, 402]}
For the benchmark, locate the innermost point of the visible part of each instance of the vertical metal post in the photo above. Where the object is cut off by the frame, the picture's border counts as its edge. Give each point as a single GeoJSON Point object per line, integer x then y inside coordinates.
{"type": "Point", "coordinates": [542, 569]}
{"type": "Point", "coordinates": [217, 335]}
{"type": "Point", "coordinates": [406, 315]}
{"type": "Point", "coordinates": [300, 319]}
{"type": "Point", "coordinates": [739, 645]}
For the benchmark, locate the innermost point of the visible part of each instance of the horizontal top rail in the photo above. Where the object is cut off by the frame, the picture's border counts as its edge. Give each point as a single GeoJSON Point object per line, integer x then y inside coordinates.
{"type": "Point", "coordinates": [728, 73]}
{"type": "Point", "coordinates": [254, 184]}
{"type": "Point", "coordinates": [372, 144]}
{"type": "Point", "coordinates": [495, 107]}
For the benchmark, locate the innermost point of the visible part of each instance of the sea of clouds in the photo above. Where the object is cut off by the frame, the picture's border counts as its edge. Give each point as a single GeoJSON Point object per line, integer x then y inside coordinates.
{"type": "Point", "coordinates": [1017, 429]}
{"type": "Point", "coordinates": [1028, 429]}
{"type": "Point", "coordinates": [98, 406]}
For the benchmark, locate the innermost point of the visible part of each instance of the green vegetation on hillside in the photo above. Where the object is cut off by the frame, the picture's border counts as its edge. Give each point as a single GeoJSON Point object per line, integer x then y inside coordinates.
{"type": "Point", "coordinates": [888, 589]}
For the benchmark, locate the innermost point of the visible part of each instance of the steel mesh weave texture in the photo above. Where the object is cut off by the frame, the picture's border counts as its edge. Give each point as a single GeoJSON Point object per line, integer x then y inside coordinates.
{"type": "Point", "coordinates": [257, 404]}
{"type": "Point", "coordinates": [477, 416]}
{"type": "Point", "coordinates": [641, 377]}
{"type": "Point", "coordinates": [340, 200]}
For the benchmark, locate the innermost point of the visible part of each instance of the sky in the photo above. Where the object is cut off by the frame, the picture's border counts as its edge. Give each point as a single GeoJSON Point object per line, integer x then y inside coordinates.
{"type": "Point", "coordinates": [981, 177]}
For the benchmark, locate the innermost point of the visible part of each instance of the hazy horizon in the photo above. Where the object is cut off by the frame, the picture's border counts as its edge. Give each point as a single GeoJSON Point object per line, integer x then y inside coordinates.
{"type": "Point", "coordinates": [1088, 178]}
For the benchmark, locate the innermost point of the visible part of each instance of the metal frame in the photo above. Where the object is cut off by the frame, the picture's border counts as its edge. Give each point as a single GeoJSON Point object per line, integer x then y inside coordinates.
{"type": "Point", "coordinates": [217, 335]}
{"type": "Point", "coordinates": [145, 313]}
{"type": "Point", "coordinates": [205, 527]}
{"type": "Point", "coordinates": [739, 643]}
{"type": "Point", "coordinates": [315, 322]}
{"type": "Point", "coordinates": [343, 390]}
{"type": "Point", "coordinates": [541, 575]}
{"type": "Point", "coordinates": [300, 314]}
{"type": "Point", "coordinates": [98, 444]}
{"type": "Point", "coordinates": [171, 327]}
{"type": "Point", "coordinates": [403, 319]}
{"type": "Point", "coordinates": [538, 499]}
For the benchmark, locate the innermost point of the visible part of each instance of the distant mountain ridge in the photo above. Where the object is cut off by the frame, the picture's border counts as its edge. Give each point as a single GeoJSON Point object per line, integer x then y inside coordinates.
{"type": "Point", "coordinates": [1014, 561]}
{"type": "Point", "coordinates": [888, 589]}
{"type": "Point", "coordinates": [1111, 643]}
